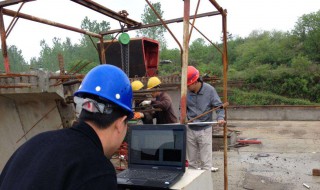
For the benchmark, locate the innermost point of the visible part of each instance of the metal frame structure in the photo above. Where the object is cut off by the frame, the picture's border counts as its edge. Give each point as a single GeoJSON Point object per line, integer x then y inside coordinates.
{"type": "Point", "coordinates": [131, 24]}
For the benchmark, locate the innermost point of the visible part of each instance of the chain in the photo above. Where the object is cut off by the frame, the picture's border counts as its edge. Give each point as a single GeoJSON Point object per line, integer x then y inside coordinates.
{"type": "Point", "coordinates": [125, 58]}
{"type": "Point", "coordinates": [124, 50]}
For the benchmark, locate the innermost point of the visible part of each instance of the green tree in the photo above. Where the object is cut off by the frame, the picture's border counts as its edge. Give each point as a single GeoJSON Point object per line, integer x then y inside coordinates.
{"type": "Point", "coordinates": [170, 68]}
{"type": "Point", "coordinates": [307, 32]}
{"type": "Point", "coordinates": [156, 32]}
{"type": "Point", "coordinates": [89, 45]}
{"type": "Point", "coordinates": [16, 60]}
{"type": "Point", "coordinates": [73, 54]}
{"type": "Point", "coordinates": [264, 47]}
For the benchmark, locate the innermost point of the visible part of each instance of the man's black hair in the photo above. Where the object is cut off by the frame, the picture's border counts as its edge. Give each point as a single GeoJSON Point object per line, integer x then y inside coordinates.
{"type": "Point", "coordinates": [102, 120]}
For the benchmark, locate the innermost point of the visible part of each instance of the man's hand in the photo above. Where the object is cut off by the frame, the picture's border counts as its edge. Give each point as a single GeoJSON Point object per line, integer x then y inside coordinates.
{"type": "Point", "coordinates": [221, 122]}
{"type": "Point", "coordinates": [138, 115]}
{"type": "Point", "coordinates": [145, 103]}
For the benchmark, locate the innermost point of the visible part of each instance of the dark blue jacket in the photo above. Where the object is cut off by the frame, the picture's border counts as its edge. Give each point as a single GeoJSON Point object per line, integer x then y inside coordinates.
{"type": "Point", "coordinates": [69, 158]}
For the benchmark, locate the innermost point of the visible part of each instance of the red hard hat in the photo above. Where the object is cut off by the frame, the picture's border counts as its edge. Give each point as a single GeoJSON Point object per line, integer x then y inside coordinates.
{"type": "Point", "coordinates": [193, 75]}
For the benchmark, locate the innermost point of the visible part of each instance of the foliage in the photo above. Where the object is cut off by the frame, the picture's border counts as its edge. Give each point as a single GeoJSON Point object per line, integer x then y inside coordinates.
{"type": "Point", "coordinates": [149, 17]}
{"type": "Point", "coordinates": [267, 67]}
{"type": "Point", "coordinates": [264, 48]}
{"type": "Point", "coordinates": [85, 52]}
{"type": "Point", "coordinates": [285, 81]}
{"type": "Point", "coordinates": [170, 68]}
{"type": "Point", "coordinates": [17, 62]}
{"type": "Point", "coordinates": [249, 98]}
{"type": "Point", "coordinates": [307, 33]}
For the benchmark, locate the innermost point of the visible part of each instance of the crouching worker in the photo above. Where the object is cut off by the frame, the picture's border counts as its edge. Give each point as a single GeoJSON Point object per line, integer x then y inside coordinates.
{"type": "Point", "coordinates": [162, 100]}
{"type": "Point", "coordinates": [145, 117]}
{"type": "Point", "coordinates": [77, 157]}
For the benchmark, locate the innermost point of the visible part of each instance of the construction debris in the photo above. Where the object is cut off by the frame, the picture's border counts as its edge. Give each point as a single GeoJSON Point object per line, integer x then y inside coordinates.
{"type": "Point", "coordinates": [316, 172]}
{"type": "Point", "coordinates": [305, 185]}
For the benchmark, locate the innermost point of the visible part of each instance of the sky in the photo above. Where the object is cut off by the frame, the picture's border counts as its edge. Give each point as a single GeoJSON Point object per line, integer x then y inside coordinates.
{"type": "Point", "coordinates": [244, 16]}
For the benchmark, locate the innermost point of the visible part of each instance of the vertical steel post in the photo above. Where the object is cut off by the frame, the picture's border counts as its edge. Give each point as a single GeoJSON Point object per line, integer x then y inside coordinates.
{"type": "Point", "coordinates": [4, 44]}
{"type": "Point", "coordinates": [185, 53]}
{"type": "Point", "coordinates": [225, 96]}
{"type": "Point", "coordinates": [102, 52]}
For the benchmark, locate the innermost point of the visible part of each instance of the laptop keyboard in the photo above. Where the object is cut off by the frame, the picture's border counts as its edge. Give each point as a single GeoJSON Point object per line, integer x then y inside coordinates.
{"type": "Point", "coordinates": [154, 175]}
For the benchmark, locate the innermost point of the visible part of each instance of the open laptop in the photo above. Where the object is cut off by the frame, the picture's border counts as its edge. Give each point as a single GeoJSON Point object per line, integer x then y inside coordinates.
{"type": "Point", "coordinates": [156, 156]}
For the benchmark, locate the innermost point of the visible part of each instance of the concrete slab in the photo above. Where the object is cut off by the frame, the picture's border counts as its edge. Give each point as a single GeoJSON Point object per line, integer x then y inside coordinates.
{"type": "Point", "coordinates": [285, 159]}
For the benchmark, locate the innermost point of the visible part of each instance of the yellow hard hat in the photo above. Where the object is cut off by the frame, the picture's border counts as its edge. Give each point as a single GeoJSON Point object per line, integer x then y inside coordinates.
{"type": "Point", "coordinates": [153, 82]}
{"type": "Point", "coordinates": [136, 85]}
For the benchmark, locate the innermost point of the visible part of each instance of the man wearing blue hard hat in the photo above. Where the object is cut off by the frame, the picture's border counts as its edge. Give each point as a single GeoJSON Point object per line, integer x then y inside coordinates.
{"type": "Point", "coordinates": [78, 157]}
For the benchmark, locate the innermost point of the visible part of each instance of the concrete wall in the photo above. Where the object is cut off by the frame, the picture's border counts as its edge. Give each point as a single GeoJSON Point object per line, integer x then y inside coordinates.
{"type": "Point", "coordinates": [23, 116]}
{"type": "Point", "coordinates": [276, 113]}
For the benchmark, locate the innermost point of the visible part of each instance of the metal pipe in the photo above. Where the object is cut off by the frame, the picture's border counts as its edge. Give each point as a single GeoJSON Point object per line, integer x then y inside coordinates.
{"type": "Point", "coordinates": [185, 54]}
{"type": "Point", "coordinates": [164, 24]}
{"type": "Point", "coordinates": [194, 20]}
{"type": "Point", "coordinates": [159, 23]}
{"type": "Point", "coordinates": [107, 12]}
{"type": "Point", "coordinates": [102, 52]}
{"type": "Point", "coordinates": [12, 2]}
{"type": "Point", "coordinates": [48, 22]}
{"type": "Point", "coordinates": [208, 39]}
{"type": "Point", "coordinates": [225, 96]}
{"type": "Point", "coordinates": [203, 123]}
{"type": "Point", "coordinates": [13, 22]}
{"type": "Point", "coordinates": [67, 77]}
{"type": "Point", "coordinates": [4, 44]}
{"type": "Point", "coordinates": [218, 7]}
{"type": "Point", "coordinates": [213, 109]}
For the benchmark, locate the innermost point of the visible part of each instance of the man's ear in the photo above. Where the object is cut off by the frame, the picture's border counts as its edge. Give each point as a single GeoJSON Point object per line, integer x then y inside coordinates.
{"type": "Point", "coordinates": [121, 123]}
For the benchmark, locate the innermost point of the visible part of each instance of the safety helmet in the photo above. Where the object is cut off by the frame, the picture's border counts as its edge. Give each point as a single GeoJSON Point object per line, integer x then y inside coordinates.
{"type": "Point", "coordinates": [153, 82]}
{"type": "Point", "coordinates": [193, 75]}
{"type": "Point", "coordinates": [136, 85]}
{"type": "Point", "coordinates": [108, 82]}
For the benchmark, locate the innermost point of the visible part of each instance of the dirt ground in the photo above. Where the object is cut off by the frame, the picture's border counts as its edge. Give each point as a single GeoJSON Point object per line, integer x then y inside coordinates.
{"type": "Point", "coordinates": [284, 160]}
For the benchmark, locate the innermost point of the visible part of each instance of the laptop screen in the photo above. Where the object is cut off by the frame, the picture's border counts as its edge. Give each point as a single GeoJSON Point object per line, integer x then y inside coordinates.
{"type": "Point", "coordinates": [157, 145]}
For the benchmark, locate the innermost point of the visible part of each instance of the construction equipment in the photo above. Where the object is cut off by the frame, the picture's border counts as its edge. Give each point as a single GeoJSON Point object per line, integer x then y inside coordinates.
{"type": "Point", "coordinates": [143, 56]}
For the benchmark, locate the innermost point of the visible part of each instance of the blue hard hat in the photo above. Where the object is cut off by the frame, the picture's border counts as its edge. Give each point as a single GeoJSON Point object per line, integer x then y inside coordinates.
{"type": "Point", "coordinates": [108, 82]}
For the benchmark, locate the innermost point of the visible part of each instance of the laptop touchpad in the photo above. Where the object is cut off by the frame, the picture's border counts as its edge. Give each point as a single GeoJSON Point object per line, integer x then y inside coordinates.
{"type": "Point", "coordinates": [138, 181]}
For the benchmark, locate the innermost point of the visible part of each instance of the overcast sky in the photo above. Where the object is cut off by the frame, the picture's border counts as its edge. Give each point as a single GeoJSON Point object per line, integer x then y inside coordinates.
{"type": "Point", "coordinates": [244, 16]}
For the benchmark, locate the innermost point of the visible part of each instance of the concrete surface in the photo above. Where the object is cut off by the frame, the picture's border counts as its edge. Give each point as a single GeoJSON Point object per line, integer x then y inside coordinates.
{"type": "Point", "coordinates": [194, 179]}
{"type": "Point", "coordinates": [23, 116]}
{"type": "Point", "coordinates": [284, 161]}
{"type": "Point", "coordinates": [266, 113]}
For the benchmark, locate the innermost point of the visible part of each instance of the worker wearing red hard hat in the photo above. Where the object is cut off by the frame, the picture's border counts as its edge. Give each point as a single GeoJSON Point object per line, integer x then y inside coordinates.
{"type": "Point", "coordinates": [201, 97]}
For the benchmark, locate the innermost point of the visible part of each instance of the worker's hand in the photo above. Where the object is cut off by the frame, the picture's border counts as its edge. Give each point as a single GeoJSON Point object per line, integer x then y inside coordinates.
{"type": "Point", "coordinates": [138, 115]}
{"type": "Point", "coordinates": [145, 102]}
{"type": "Point", "coordinates": [221, 122]}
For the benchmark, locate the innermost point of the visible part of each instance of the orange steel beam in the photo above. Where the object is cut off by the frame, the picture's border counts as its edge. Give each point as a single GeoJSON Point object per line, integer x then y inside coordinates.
{"type": "Point", "coordinates": [12, 2]}
{"type": "Point", "coordinates": [207, 39]}
{"type": "Point", "coordinates": [184, 66]}
{"type": "Point", "coordinates": [225, 96]}
{"type": "Point", "coordinates": [4, 43]}
{"type": "Point", "coordinates": [108, 12]}
{"type": "Point", "coordinates": [159, 23]}
{"type": "Point", "coordinates": [48, 22]}
{"type": "Point", "coordinates": [164, 24]}
{"type": "Point", "coordinates": [13, 22]}
{"type": "Point", "coordinates": [194, 20]}
{"type": "Point", "coordinates": [218, 7]}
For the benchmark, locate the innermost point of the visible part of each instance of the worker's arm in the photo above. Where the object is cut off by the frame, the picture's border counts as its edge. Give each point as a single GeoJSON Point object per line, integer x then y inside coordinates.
{"type": "Point", "coordinates": [164, 103]}
{"type": "Point", "coordinates": [216, 102]}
